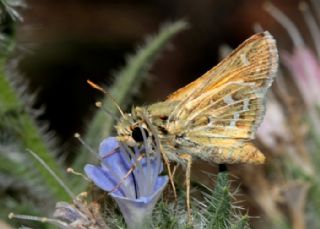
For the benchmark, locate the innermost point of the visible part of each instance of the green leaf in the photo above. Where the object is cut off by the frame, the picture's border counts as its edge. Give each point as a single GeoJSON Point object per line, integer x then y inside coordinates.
{"type": "Point", "coordinates": [27, 133]}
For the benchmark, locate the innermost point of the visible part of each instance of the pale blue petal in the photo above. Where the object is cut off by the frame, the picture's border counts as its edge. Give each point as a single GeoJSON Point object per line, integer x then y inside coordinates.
{"type": "Point", "coordinates": [102, 179]}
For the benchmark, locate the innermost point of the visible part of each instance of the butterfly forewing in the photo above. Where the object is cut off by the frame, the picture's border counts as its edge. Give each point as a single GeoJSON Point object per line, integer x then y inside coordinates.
{"type": "Point", "coordinates": [223, 108]}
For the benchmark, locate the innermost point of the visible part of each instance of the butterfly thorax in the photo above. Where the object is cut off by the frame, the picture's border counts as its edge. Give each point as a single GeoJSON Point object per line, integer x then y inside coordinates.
{"type": "Point", "coordinates": [141, 117]}
{"type": "Point", "coordinates": [154, 121]}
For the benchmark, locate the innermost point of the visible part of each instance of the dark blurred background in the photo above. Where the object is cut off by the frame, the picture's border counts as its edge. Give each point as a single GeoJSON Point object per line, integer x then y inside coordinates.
{"type": "Point", "coordinates": [67, 42]}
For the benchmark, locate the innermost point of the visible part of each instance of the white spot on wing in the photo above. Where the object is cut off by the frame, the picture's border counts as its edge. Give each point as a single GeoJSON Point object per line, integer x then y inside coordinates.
{"type": "Point", "coordinates": [244, 59]}
{"type": "Point", "coordinates": [228, 99]}
{"type": "Point", "coordinates": [235, 119]}
{"type": "Point", "coordinates": [246, 104]}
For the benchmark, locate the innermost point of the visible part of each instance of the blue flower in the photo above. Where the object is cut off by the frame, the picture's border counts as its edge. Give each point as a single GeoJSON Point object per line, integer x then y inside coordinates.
{"type": "Point", "coordinates": [140, 189]}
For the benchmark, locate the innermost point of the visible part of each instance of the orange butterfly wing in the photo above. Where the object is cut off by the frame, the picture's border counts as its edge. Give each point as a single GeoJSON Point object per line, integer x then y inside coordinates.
{"type": "Point", "coordinates": [223, 108]}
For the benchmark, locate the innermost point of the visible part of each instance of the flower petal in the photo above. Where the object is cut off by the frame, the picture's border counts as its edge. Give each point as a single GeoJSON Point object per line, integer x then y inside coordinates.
{"type": "Point", "coordinates": [141, 185]}
{"type": "Point", "coordinates": [107, 146]}
{"type": "Point", "coordinates": [305, 69]}
{"type": "Point", "coordinates": [136, 211]}
{"type": "Point", "coordinates": [102, 179]}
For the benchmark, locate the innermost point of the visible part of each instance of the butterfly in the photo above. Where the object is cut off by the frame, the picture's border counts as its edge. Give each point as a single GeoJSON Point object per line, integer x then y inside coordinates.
{"type": "Point", "coordinates": [215, 117]}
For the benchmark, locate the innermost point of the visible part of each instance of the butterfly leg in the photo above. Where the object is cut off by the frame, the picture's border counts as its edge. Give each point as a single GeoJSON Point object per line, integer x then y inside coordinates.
{"type": "Point", "coordinates": [188, 158]}
{"type": "Point", "coordinates": [164, 156]}
{"type": "Point", "coordinates": [170, 173]}
{"type": "Point", "coordinates": [112, 152]}
{"type": "Point", "coordinates": [128, 173]}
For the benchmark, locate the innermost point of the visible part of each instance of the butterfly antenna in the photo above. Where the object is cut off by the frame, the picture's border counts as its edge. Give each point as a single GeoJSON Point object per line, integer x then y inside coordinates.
{"type": "Point", "coordinates": [97, 87]}
{"type": "Point", "coordinates": [58, 179]}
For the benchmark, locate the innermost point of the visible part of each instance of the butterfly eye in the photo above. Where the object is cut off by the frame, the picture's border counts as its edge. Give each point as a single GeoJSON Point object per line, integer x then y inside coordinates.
{"type": "Point", "coordinates": [137, 134]}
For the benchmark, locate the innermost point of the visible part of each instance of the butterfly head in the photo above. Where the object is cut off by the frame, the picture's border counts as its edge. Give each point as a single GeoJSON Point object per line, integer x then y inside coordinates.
{"type": "Point", "coordinates": [132, 128]}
